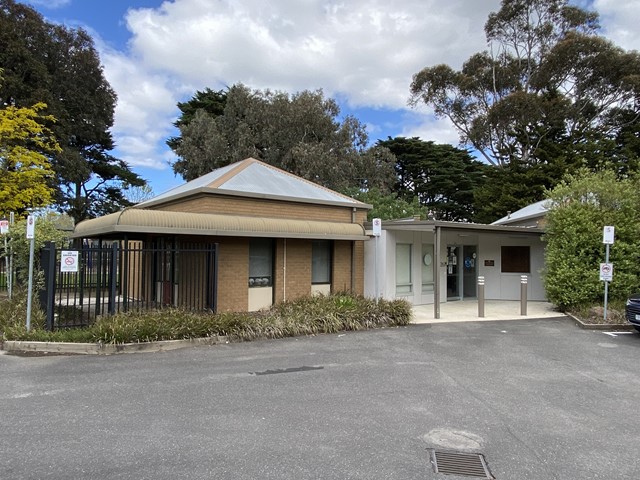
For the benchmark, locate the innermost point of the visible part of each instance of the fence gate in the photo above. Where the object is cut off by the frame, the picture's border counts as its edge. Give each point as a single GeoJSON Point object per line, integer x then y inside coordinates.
{"type": "Point", "coordinates": [84, 284]}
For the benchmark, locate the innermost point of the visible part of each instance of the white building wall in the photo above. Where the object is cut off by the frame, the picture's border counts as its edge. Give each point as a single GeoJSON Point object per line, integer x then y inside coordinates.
{"type": "Point", "coordinates": [498, 285]}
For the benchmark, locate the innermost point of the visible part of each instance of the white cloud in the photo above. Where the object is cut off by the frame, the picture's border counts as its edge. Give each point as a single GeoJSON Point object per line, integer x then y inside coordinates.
{"type": "Point", "coordinates": [366, 50]}
{"type": "Point", "coordinates": [362, 51]}
{"type": "Point", "coordinates": [620, 20]}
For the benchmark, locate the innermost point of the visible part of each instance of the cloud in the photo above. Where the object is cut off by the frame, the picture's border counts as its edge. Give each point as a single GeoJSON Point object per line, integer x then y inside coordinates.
{"type": "Point", "coordinates": [620, 19]}
{"type": "Point", "coordinates": [363, 52]}
{"type": "Point", "coordinates": [366, 50]}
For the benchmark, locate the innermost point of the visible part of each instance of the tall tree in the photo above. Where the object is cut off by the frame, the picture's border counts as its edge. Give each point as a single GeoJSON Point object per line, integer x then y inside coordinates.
{"type": "Point", "coordinates": [547, 93]}
{"type": "Point", "coordinates": [59, 66]}
{"type": "Point", "coordinates": [443, 178]}
{"type": "Point", "coordinates": [299, 133]}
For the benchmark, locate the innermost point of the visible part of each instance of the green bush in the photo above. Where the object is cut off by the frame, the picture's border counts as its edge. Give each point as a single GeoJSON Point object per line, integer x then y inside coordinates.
{"type": "Point", "coordinates": [304, 316]}
{"type": "Point", "coordinates": [580, 207]}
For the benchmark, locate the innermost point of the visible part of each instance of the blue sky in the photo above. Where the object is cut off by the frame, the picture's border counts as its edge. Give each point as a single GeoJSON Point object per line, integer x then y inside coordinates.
{"type": "Point", "coordinates": [361, 52]}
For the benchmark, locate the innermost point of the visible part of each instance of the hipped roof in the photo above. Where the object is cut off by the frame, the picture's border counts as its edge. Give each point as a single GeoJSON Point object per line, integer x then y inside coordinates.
{"type": "Point", "coordinates": [253, 178]}
{"type": "Point", "coordinates": [139, 220]}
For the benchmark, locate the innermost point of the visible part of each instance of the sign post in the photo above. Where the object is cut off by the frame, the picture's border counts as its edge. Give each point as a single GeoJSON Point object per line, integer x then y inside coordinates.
{"type": "Point", "coordinates": [4, 231]}
{"type": "Point", "coordinates": [377, 231]}
{"type": "Point", "coordinates": [31, 234]}
{"type": "Point", "coordinates": [606, 269]}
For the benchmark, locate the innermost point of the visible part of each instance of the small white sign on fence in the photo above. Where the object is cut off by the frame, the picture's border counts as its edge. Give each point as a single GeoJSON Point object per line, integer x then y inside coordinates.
{"type": "Point", "coordinates": [69, 261]}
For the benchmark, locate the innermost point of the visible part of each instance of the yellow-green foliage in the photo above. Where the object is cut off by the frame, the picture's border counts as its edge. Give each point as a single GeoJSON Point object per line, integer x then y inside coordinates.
{"type": "Point", "coordinates": [580, 207]}
{"type": "Point", "coordinates": [24, 167]}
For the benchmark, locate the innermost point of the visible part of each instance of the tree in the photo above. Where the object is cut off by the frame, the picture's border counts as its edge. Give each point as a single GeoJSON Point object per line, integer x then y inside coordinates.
{"type": "Point", "coordinates": [549, 93]}
{"type": "Point", "coordinates": [59, 66]}
{"type": "Point", "coordinates": [299, 133]}
{"type": "Point", "coordinates": [443, 178]}
{"type": "Point", "coordinates": [388, 206]}
{"type": "Point", "coordinates": [579, 207]}
{"type": "Point", "coordinates": [24, 170]}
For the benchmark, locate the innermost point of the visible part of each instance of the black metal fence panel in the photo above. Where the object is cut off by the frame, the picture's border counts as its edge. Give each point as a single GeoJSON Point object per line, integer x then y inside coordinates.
{"type": "Point", "coordinates": [124, 276]}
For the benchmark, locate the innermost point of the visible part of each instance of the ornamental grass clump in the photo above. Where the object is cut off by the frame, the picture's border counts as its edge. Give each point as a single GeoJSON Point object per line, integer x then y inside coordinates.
{"type": "Point", "coordinates": [304, 316]}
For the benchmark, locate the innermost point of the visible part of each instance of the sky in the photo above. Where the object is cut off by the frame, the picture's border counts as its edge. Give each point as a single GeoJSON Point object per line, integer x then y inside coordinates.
{"type": "Point", "coordinates": [363, 53]}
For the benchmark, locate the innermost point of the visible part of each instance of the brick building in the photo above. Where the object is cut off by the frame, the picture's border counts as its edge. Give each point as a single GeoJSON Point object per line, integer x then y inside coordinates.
{"type": "Point", "coordinates": [275, 237]}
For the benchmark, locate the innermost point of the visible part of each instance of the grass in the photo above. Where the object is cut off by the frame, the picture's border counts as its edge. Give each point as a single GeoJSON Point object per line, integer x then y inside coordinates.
{"type": "Point", "coordinates": [304, 316]}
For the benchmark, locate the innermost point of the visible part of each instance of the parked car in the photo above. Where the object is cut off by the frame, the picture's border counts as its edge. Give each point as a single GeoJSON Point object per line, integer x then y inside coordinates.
{"type": "Point", "coordinates": [632, 311]}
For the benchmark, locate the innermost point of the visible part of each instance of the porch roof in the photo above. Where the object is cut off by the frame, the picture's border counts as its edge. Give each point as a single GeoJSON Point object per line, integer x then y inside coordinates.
{"type": "Point", "coordinates": [430, 226]}
{"type": "Point", "coordinates": [139, 220]}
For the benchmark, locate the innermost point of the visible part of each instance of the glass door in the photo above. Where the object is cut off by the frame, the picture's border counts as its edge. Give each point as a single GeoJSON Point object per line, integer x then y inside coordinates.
{"type": "Point", "coordinates": [461, 271]}
{"type": "Point", "coordinates": [469, 271]}
{"type": "Point", "coordinates": [453, 272]}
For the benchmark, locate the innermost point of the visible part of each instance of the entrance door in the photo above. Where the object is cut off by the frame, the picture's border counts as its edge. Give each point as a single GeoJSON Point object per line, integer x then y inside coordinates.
{"type": "Point", "coordinates": [461, 271]}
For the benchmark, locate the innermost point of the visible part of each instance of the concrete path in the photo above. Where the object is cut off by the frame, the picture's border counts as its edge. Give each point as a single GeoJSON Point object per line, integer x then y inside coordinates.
{"type": "Point", "coordinates": [467, 311]}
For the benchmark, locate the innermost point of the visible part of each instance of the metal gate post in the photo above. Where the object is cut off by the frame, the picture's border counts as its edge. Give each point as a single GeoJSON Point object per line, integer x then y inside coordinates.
{"type": "Point", "coordinates": [47, 297]}
{"type": "Point", "coordinates": [113, 276]}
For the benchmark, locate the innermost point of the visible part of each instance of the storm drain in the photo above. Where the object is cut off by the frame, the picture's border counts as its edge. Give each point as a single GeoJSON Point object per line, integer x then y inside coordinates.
{"type": "Point", "coordinates": [286, 370]}
{"type": "Point", "coordinates": [456, 463]}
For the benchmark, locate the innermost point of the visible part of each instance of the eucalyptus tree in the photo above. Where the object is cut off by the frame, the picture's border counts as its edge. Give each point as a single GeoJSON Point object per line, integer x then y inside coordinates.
{"type": "Point", "coordinates": [549, 93]}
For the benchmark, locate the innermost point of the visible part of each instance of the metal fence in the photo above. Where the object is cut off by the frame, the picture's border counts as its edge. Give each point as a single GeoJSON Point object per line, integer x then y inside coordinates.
{"type": "Point", "coordinates": [125, 276]}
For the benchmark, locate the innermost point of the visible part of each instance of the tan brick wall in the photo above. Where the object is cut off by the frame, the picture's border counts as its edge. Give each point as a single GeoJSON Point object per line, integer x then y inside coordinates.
{"type": "Point", "coordinates": [341, 267]}
{"type": "Point", "coordinates": [264, 208]}
{"type": "Point", "coordinates": [233, 274]}
{"type": "Point", "coordinates": [298, 283]}
{"type": "Point", "coordinates": [359, 280]}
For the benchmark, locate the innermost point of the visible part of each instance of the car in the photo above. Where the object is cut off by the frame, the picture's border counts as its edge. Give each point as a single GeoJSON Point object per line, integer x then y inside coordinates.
{"type": "Point", "coordinates": [632, 311]}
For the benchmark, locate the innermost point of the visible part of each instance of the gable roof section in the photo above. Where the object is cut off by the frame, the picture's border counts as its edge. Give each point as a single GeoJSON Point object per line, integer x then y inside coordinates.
{"type": "Point", "coordinates": [535, 210]}
{"type": "Point", "coordinates": [253, 178]}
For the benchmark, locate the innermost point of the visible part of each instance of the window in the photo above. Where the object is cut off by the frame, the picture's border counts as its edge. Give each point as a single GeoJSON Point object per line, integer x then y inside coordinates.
{"type": "Point", "coordinates": [516, 260]}
{"type": "Point", "coordinates": [261, 262]}
{"type": "Point", "coordinates": [427, 268]}
{"type": "Point", "coordinates": [403, 269]}
{"type": "Point", "coordinates": [321, 261]}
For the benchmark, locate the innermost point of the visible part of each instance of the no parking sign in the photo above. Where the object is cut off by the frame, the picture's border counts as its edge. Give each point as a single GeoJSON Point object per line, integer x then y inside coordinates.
{"type": "Point", "coordinates": [69, 261]}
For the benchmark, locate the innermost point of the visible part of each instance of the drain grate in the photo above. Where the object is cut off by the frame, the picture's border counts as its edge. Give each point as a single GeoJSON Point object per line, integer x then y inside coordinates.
{"type": "Point", "coordinates": [456, 463]}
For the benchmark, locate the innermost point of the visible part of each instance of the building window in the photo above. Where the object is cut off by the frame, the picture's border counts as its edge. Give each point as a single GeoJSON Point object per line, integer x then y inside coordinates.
{"type": "Point", "coordinates": [427, 268]}
{"type": "Point", "coordinates": [516, 260]}
{"type": "Point", "coordinates": [321, 261]}
{"type": "Point", "coordinates": [403, 269]}
{"type": "Point", "coordinates": [261, 262]}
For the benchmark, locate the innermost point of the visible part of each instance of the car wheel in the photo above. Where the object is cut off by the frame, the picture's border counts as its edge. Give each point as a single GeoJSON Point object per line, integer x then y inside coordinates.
{"type": "Point", "coordinates": [637, 327]}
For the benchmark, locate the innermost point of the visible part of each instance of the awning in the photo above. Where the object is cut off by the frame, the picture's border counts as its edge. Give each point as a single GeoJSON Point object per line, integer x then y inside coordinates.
{"type": "Point", "coordinates": [139, 220]}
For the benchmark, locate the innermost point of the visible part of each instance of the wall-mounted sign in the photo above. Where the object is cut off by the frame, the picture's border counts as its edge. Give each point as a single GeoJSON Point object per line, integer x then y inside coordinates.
{"type": "Point", "coordinates": [489, 263]}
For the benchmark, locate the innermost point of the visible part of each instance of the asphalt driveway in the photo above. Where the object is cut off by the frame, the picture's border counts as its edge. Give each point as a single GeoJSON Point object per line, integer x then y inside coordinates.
{"type": "Point", "coordinates": [540, 399]}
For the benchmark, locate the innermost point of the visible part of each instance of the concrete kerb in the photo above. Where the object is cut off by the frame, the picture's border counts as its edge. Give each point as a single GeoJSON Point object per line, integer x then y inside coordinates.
{"type": "Point", "coordinates": [600, 326]}
{"type": "Point", "coordinates": [68, 348]}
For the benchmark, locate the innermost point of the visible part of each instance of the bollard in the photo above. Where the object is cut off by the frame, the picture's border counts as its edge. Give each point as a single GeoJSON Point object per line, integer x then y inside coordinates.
{"type": "Point", "coordinates": [523, 295]}
{"type": "Point", "coordinates": [481, 296]}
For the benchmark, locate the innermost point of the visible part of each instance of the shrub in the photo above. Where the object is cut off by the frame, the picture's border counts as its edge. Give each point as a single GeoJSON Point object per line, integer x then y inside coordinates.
{"type": "Point", "coordinates": [304, 316]}
{"type": "Point", "coordinates": [579, 209]}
